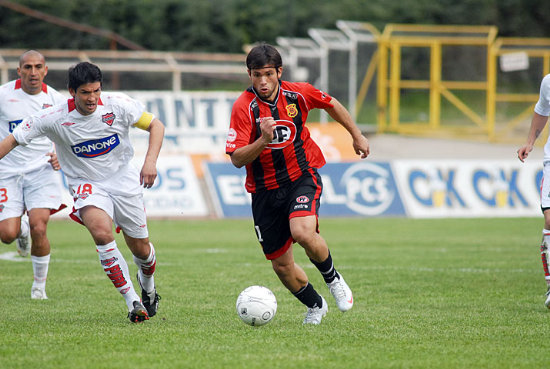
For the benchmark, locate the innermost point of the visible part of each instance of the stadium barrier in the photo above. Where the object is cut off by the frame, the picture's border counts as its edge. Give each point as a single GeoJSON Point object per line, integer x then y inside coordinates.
{"type": "Point", "coordinates": [411, 188]}
{"type": "Point", "coordinates": [402, 188]}
{"type": "Point", "coordinates": [427, 80]}
{"type": "Point", "coordinates": [196, 179]}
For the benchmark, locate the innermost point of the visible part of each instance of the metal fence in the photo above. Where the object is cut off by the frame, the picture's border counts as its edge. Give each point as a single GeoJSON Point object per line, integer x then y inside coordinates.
{"type": "Point", "coordinates": [412, 79]}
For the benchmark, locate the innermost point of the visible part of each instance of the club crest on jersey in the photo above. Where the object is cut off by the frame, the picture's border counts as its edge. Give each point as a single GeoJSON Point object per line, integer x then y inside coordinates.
{"type": "Point", "coordinates": [94, 148]}
{"type": "Point", "coordinates": [283, 135]}
{"type": "Point", "coordinates": [108, 118]}
{"type": "Point", "coordinates": [291, 110]}
{"type": "Point", "coordinates": [46, 106]}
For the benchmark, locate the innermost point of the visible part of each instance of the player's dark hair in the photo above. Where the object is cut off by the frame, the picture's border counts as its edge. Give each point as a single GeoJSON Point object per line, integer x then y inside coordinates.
{"type": "Point", "coordinates": [262, 55]}
{"type": "Point", "coordinates": [83, 73]}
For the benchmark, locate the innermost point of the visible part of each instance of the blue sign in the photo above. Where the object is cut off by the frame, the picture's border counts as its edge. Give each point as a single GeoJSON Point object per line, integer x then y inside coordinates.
{"type": "Point", "coordinates": [227, 190]}
{"type": "Point", "coordinates": [349, 189]}
{"type": "Point", "coordinates": [360, 188]}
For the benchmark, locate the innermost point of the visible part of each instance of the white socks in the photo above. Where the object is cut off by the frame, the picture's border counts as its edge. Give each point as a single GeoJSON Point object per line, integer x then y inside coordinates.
{"type": "Point", "coordinates": [544, 253]}
{"type": "Point", "coordinates": [147, 270]}
{"type": "Point", "coordinates": [40, 269]}
{"type": "Point", "coordinates": [116, 268]}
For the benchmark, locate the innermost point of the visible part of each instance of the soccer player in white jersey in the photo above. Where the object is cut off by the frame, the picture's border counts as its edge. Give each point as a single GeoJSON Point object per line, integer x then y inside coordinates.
{"type": "Point", "coordinates": [90, 132]}
{"type": "Point", "coordinates": [27, 178]}
{"type": "Point", "coordinates": [538, 122]}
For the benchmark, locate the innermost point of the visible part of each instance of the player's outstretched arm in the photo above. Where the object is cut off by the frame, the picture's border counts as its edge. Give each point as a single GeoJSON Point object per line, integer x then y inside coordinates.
{"type": "Point", "coordinates": [149, 170]}
{"type": "Point", "coordinates": [537, 125]}
{"type": "Point", "coordinates": [6, 145]}
{"type": "Point", "coordinates": [340, 114]}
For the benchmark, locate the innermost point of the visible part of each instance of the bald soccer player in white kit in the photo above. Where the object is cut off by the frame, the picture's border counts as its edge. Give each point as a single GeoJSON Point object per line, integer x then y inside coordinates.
{"type": "Point", "coordinates": [28, 182]}
{"type": "Point", "coordinates": [91, 134]}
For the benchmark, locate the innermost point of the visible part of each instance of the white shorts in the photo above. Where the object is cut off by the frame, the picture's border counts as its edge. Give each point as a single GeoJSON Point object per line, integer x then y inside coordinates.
{"type": "Point", "coordinates": [126, 208]}
{"type": "Point", "coordinates": [545, 187]}
{"type": "Point", "coordinates": [37, 189]}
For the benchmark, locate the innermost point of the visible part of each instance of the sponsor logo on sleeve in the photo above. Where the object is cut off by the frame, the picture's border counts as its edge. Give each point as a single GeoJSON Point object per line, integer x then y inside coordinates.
{"type": "Point", "coordinates": [231, 135]}
{"type": "Point", "coordinates": [94, 148]}
{"type": "Point", "coordinates": [27, 125]}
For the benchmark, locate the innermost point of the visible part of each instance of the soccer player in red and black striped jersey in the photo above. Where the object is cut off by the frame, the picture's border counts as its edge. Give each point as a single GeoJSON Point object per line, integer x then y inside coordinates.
{"type": "Point", "coordinates": [268, 135]}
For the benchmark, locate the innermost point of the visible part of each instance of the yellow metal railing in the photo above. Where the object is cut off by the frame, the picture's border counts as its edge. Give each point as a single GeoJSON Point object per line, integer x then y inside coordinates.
{"type": "Point", "coordinates": [391, 84]}
{"type": "Point", "coordinates": [533, 48]}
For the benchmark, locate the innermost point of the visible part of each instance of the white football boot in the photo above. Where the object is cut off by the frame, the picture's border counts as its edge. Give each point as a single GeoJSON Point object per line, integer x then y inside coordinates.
{"type": "Point", "coordinates": [341, 293]}
{"type": "Point", "coordinates": [315, 314]}
{"type": "Point", "coordinates": [38, 293]}
{"type": "Point", "coordinates": [23, 242]}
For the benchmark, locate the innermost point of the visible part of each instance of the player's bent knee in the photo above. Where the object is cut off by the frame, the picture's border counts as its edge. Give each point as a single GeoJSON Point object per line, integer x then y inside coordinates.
{"type": "Point", "coordinates": [283, 269]}
{"type": "Point", "coordinates": [8, 234]}
{"type": "Point", "coordinates": [102, 237]}
{"type": "Point", "coordinates": [304, 238]}
{"type": "Point", "coordinates": [7, 238]}
{"type": "Point", "coordinates": [140, 247]}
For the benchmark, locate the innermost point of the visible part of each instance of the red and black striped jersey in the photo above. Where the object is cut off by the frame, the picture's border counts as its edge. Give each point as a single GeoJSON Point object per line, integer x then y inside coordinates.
{"type": "Point", "coordinates": [292, 151]}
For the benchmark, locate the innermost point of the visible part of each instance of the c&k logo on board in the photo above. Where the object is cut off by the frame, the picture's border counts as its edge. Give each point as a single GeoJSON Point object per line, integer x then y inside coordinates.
{"type": "Point", "coordinates": [435, 188]}
{"type": "Point", "coordinates": [498, 188]}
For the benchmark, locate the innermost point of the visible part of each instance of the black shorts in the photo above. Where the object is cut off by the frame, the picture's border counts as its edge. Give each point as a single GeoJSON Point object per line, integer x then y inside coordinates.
{"type": "Point", "coordinates": [272, 210]}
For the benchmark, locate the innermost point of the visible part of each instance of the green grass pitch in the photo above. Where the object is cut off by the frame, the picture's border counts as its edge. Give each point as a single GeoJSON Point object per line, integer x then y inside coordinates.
{"type": "Point", "coordinates": [449, 293]}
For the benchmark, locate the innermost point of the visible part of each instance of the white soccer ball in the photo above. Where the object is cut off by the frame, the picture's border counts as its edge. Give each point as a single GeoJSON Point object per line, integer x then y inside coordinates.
{"type": "Point", "coordinates": [256, 305]}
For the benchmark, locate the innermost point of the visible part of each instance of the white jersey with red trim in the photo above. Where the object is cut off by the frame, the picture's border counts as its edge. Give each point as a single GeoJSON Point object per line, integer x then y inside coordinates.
{"type": "Point", "coordinates": [15, 105]}
{"type": "Point", "coordinates": [543, 108]}
{"type": "Point", "coordinates": [94, 146]}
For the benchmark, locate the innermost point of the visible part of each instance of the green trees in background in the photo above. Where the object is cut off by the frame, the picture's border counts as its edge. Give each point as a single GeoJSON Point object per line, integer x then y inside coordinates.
{"type": "Point", "coordinates": [226, 25]}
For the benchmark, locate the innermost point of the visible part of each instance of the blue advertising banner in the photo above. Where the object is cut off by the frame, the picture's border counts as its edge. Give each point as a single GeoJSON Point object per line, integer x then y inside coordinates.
{"type": "Point", "coordinates": [226, 187]}
{"type": "Point", "coordinates": [176, 192]}
{"type": "Point", "coordinates": [349, 189]}
{"type": "Point", "coordinates": [458, 188]}
{"type": "Point", "coordinates": [360, 188]}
